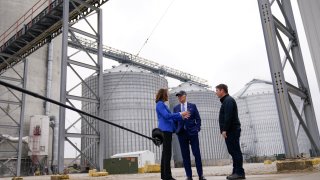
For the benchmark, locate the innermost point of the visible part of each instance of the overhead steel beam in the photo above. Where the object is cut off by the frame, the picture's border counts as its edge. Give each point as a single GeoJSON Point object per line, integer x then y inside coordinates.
{"type": "Point", "coordinates": [10, 79]}
{"type": "Point", "coordinates": [82, 64]}
{"type": "Point", "coordinates": [83, 33]}
{"type": "Point", "coordinates": [9, 102]}
{"type": "Point", "coordinates": [125, 57]}
{"type": "Point", "coordinates": [78, 98]}
{"type": "Point", "coordinates": [78, 135]}
{"type": "Point", "coordinates": [296, 91]}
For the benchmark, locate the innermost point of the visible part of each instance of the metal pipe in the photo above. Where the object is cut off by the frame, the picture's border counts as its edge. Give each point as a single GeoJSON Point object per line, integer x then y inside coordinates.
{"type": "Point", "coordinates": [49, 78]}
{"type": "Point", "coordinates": [54, 155]}
{"type": "Point", "coordinates": [25, 139]}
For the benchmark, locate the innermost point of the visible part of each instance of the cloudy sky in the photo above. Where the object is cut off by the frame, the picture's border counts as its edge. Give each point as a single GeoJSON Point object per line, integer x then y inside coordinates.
{"type": "Point", "coordinates": [220, 41]}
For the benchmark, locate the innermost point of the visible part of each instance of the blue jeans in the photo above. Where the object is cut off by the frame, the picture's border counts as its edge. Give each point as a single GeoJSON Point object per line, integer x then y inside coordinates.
{"type": "Point", "coordinates": [233, 146]}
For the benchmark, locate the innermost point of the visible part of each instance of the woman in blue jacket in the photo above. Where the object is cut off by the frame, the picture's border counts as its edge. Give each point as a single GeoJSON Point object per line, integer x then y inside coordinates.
{"type": "Point", "coordinates": [166, 122]}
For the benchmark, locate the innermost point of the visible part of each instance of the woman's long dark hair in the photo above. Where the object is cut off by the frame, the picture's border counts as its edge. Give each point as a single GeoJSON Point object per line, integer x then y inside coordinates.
{"type": "Point", "coordinates": [162, 95]}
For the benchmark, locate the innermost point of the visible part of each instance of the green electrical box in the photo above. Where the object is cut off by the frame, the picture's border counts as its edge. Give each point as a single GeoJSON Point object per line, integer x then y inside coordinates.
{"type": "Point", "coordinates": [124, 165]}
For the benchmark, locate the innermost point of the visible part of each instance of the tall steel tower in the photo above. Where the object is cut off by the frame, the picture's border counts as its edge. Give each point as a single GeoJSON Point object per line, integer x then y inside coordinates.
{"type": "Point", "coordinates": [274, 31]}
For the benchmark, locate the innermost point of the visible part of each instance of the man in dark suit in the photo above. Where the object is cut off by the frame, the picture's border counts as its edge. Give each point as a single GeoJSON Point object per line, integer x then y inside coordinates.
{"type": "Point", "coordinates": [187, 132]}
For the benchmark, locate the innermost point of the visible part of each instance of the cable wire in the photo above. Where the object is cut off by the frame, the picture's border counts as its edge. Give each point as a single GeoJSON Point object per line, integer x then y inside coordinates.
{"type": "Point", "coordinates": [71, 108]}
{"type": "Point", "coordinates": [146, 41]}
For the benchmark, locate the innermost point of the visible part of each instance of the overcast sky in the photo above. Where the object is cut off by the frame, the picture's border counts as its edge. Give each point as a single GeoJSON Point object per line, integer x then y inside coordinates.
{"type": "Point", "coordinates": [220, 41]}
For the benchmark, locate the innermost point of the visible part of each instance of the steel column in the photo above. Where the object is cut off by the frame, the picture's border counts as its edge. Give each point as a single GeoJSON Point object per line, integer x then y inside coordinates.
{"type": "Point", "coordinates": [66, 95]}
{"type": "Point", "coordinates": [299, 64]}
{"type": "Point", "coordinates": [100, 92]}
{"type": "Point", "coordinates": [63, 83]}
{"type": "Point", "coordinates": [21, 124]}
{"type": "Point", "coordinates": [279, 84]}
{"type": "Point", "coordinates": [271, 25]}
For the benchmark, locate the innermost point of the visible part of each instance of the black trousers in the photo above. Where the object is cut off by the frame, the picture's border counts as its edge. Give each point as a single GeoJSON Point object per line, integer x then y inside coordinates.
{"type": "Point", "coordinates": [166, 156]}
{"type": "Point", "coordinates": [233, 146]}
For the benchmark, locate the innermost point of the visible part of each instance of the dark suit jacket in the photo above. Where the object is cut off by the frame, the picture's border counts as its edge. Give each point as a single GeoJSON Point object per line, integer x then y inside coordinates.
{"type": "Point", "coordinates": [193, 123]}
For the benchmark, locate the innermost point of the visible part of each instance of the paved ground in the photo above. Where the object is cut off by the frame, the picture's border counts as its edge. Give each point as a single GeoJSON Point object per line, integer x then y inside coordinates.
{"type": "Point", "coordinates": [257, 171]}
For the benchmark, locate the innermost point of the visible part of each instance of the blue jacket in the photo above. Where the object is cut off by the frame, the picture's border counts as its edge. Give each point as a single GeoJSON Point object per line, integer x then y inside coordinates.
{"type": "Point", "coordinates": [193, 123]}
{"type": "Point", "coordinates": [166, 119]}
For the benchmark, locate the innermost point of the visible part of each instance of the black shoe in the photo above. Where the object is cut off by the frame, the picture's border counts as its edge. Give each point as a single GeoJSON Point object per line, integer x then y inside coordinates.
{"type": "Point", "coordinates": [202, 178]}
{"type": "Point", "coordinates": [189, 178]}
{"type": "Point", "coordinates": [236, 176]}
{"type": "Point", "coordinates": [229, 175]}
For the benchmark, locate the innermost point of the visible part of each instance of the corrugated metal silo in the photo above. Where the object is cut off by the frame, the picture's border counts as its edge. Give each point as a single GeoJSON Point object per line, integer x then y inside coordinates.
{"type": "Point", "coordinates": [261, 133]}
{"type": "Point", "coordinates": [129, 100]}
{"type": "Point", "coordinates": [212, 145]}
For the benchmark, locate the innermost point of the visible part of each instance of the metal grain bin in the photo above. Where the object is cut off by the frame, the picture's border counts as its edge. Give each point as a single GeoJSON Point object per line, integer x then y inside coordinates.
{"type": "Point", "coordinates": [212, 145]}
{"type": "Point", "coordinates": [129, 100]}
{"type": "Point", "coordinates": [261, 133]}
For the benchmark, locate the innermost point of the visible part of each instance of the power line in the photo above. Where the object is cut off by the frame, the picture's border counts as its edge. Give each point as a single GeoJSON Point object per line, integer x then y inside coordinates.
{"type": "Point", "coordinates": [146, 41]}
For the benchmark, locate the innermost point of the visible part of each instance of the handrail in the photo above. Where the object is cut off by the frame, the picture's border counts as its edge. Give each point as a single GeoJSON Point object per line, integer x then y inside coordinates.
{"type": "Point", "coordinates": [142, 61]}
{"type": "Point", "coordinates": [24, 19]}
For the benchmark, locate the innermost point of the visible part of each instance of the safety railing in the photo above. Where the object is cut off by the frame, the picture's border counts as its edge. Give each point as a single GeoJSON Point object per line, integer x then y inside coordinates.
{"type": "Point", "coordinates": [23, 20]}
{"type": "Point", "coordinates": [139, 60]}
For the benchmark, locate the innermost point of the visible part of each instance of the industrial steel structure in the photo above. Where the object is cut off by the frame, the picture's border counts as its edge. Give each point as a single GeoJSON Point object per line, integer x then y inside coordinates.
{"type": "Point", "coordinates": [48, 18]}
{"type": "Point", "coordinates": [272, 26]}
{"type": "Point", "coordinates": [125, 57]}
{"type": "Point", "coordinates": [212, 146]}
{"type": "Point", "coordinates": [261, 132]}
{"type": "Point", "coordinates": [38, 26]}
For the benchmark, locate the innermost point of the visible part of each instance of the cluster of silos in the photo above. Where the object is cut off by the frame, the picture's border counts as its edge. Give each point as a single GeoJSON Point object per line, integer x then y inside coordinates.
{"type": "Point", "coordinates": [37, 81]}
{"type": "Point", "coordinates": [128, 100]}
{"type": "Point", "coordinates": [261, 133]}
{"type": "Point", "coordinates": [212, 145]}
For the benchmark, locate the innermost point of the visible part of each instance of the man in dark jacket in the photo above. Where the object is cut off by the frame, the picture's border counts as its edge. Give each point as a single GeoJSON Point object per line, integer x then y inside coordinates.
{"type": "Point", "coordinates": [230, 129]}
{"type": "Point", "coordinates": [187, 131]}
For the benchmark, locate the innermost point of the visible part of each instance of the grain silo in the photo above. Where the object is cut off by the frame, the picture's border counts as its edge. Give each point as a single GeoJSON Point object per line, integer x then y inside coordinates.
{"type": "Point", "coordinates": [129, 100]}
{"type": "Point", "coordinates": [14, 15]}
{"type": "Point", "coordinates": [261, 134]}
{"type": "Point", "coordinates": [212, 145]}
